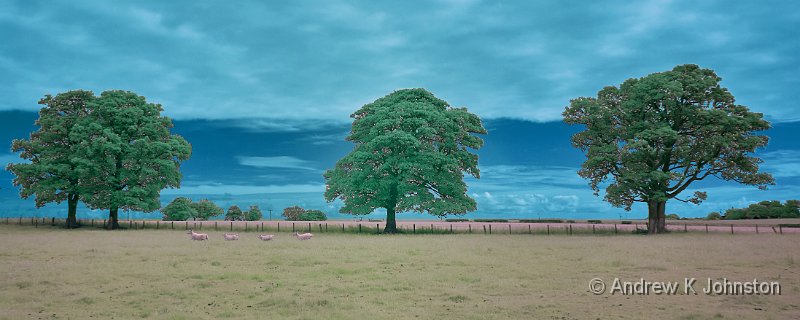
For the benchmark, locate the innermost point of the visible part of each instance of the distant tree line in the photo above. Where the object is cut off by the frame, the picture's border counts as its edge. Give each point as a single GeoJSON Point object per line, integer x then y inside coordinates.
{"type": "Point", "coordinates": [297, 213]}
{"type": "Point", "coordinates": [183, 208]}
{"type": "Point", "coordinates": [765, 210]}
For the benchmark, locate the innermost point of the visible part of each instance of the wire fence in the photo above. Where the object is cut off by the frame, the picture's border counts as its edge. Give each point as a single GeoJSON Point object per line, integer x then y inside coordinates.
{"type": "Point", "coordinates": [415, 227]}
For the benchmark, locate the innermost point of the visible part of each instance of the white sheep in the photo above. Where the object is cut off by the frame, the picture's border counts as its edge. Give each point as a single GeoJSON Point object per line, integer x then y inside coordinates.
{"type": "Point", "coordinates": [303, 236]}
{"type": "Point", "coordinates": [266, 237]}
{"type": "Point", "coordinates": [231, 236]}
{"type": "Point", "coordinates": [197, 236]}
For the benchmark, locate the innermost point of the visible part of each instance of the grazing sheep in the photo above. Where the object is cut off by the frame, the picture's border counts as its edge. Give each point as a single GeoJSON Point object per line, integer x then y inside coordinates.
{"type": "Point", "coordinates": [266, 237]}
{"type": "Point", "coordinates": [303, 236]}
{"type": "Point", "coordinates": [197, 236]}
{"type": "Point", "coordinates": [231, 236]}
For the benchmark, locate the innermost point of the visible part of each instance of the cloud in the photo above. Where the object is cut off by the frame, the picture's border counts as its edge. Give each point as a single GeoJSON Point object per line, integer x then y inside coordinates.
{"type": "Point", "coordinates": [206, 187]}
{"type": "Point", "coordinates": [782, 163]}
{"type": "Point", "coordinates": [284, 162]}
{"type": "Point", "coordinates": [322, 61]}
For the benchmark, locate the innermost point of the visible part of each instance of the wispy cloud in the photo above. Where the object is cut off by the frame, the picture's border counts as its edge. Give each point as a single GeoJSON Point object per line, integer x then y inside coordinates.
{"type": "Point", "coordinates": [235, 189]}
{"type": "Point", "coordinates": [521, 60]}
{"type": "Point", "coordinates": [782, 163]}
{"type": "Point", "coordinates": [284, 162]}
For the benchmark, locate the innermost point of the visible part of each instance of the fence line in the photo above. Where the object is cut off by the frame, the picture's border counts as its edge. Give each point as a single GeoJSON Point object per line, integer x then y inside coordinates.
{"type": "Point", "coordinates": [531, 228]}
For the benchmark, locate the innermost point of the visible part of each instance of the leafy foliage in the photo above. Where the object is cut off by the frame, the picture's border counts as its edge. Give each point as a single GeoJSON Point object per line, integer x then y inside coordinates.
{"type": "Point", "coordinates": [411, 153]}
{"type": "Point", "coordinates": [180, 209]}
{"type": "Point", "coordinates": [253, 214]}
{"type": "Point", "coordinates": [131, 153]}
{"type": "Point", "coordinates": [234, 214]}
{"type": "Point", "coordinates": [312, 215]}
{"type": "Point", "coordinates": [293, 213]}
{"type": "Point", "coordinates": [714, 216]}
{"type": "Point", "coordinates": [206, 209]}
{"type": "Point", "coordinates": [766, 210]}
{"type": "Point", "coordinates": [57, 170]}
{"type": "Point", "coordinates": [652, 137]}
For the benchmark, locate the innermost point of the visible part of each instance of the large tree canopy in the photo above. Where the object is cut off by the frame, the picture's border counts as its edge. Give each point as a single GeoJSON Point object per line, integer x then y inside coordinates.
{"type": "Point", "coordinates": [132, 152]}
{"type": "Point", "coordinates": [57, 170]}
{"type": "Point", "coordinates": [411, 153]}
{"type": "Point", "coordinates": [653, 137]}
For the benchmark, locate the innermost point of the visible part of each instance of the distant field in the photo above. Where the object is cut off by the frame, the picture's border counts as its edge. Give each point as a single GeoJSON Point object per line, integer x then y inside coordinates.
{"type": "Point", "coordinates": [50, 273]}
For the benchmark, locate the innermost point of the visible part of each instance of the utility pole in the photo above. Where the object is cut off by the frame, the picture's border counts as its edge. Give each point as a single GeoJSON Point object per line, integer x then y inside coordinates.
{"type": "Point", "coordinates": [270, 214]}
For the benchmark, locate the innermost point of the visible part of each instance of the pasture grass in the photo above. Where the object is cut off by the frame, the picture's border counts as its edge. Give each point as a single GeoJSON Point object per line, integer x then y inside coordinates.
{"type": "Point", "coordinates": [50, 273]}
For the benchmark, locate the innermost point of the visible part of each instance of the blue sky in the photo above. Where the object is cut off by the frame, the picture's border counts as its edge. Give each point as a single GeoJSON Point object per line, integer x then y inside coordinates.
{"type": "Point", "coordinates": [263, 90]}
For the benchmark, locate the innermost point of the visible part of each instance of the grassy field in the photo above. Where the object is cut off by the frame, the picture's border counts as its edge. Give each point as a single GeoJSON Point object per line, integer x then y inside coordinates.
{"type": "Point", "coordinates": [50, 273]}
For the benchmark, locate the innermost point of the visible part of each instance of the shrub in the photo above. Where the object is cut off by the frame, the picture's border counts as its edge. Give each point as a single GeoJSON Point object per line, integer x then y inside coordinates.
{"type": "Point", "coordinates": [312, 215]}
{"type": "Point", "coordinates": [206, 209]}
{"type": "Point", "coordinates": [626, 222]}
{"type": "Point", "coordinates": [594, 221]}
{"type": "Point", "coordinates": [570, 221]}
{"type": "Point", "coordinates": [541, 220]}
{"type": "Point", "coordinates": [293, 213]}
{"type": "Point", "coordinates": [672, 216]}
{"type": "Point", "coordinates": [180, 209]}
{"type": "Point", "coordinates": [253, 214]}
{"type": "Point", "coordinates": [491, 220]}
{"type": "Point", "coordinates": [456, 220]}
{"type": "Point", "coordinates": [234, 214]}
{"type": "Point", "coordinates": [714, 216]}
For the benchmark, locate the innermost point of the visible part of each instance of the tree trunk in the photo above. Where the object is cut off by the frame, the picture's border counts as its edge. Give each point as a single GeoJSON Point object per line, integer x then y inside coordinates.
{"type": "Point", "coordinates": [656, 219]}
{"type": "Point", "coordinates": [72, 212]}
{"type": "Point", "coordinates": [391, 224]}
{"type": "Point", "coordinates": [113, 219]}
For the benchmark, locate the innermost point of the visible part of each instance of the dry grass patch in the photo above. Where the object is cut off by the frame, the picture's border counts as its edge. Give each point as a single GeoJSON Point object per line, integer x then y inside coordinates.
{"type": "Point", "coordinates": [53, 273]}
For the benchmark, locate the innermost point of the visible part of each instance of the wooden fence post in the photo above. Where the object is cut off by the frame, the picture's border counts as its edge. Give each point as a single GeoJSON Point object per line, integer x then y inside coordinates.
{"type": "Point", "coordinates": [592, 229]}
{"type": "Point", "coordinates": [293, 227]}
{"type": "Point", "coordinates": [158, 223]}
{"type": "Point", "coordinates": [548, 229]}
{"type": "Point", "coordinates": [731, 229]}
{"type": "Point", "coordinates": [484, 229]}
{"type": "Point", "coordinates": [231, 225]}
{"type": "Point", "coordinates": [53, 221]}
{"type": "Point", "coordinates": [415, 227]}
{"type": "Point", "coordinates": [342, 227]}
{"type": "Point", "coordinates": [685, 228]}
{"type": "Point", "coordinates": [490, 228]}
{"type": "Point", "coordinates": [780, 227]}
{"type": "Point", "coordinates": [756, 228]}
{"type": "Point", "coordinates": [279, 227]}
{"type": "Point", "coordinates": [615, 228]}
{"type": "Point", "coordinates": [377, 228]}
{"type": "Point", "coordinates": [245, 226]}
{"type": "Point", "coordinates": [309, 227]}
{"type": "Point", "coordinates": [359, 228]}
{"type": "Point", "coordinates": [470, 227]}
{"type": "Point", "coordinates": [451, 228]}
{"type": "Point", "coordinates": [529, 229]}
{"type": "Point", "coordinates": [706, 228]}
{"type": "Point", "coordinates": [173, 225]}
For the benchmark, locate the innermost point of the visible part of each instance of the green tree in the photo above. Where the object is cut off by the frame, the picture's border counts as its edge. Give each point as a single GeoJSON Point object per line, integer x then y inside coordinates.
{"type": "Point", "coordinates": [293, 212]}
{"type": "Point", "coordinates": [133, 154]}
{"type": "Point", "coordinates": [765, 210]}
{"type": "Point", "coordinates": [312, 215]}
{"type": "Point", "coordinates": [253, 214]}
{"type": "Point", "coordinates": [654, 136]}
{"type": "Point", "coordinates": [713, 216]}
{"type": "Point", "coordinates": [411, 152]}
{"type": "Point", "coordinates": [206, 209]}
{"type": "Point", "coordinates": [56, 171]}
{"type": "Point", "coordinates": [180, 209]}
{"type": "Point", "coordinates": [234, 214]}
